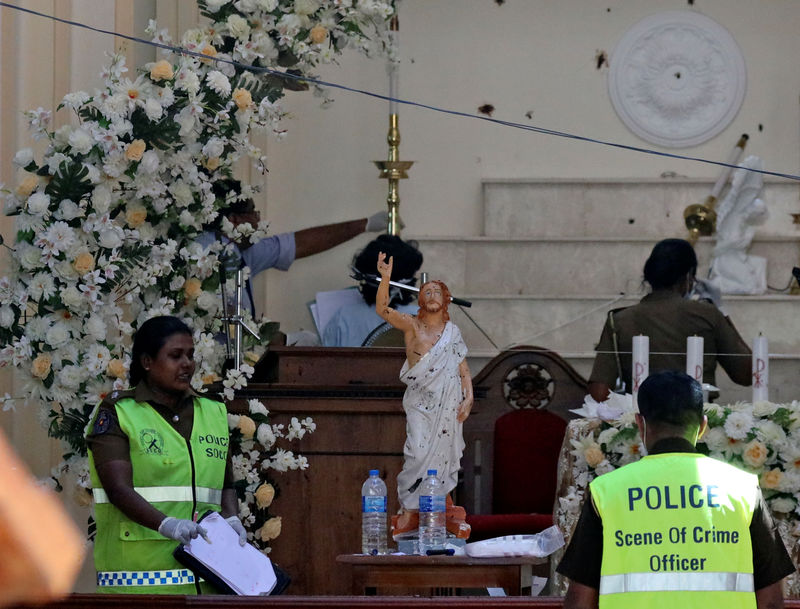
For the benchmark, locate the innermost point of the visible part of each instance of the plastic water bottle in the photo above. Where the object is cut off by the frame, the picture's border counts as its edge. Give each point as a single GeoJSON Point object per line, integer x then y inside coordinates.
{"type": "Point", "coordinates": [432, 531]}
{"type": "Point", "coordinates": [373, 515]}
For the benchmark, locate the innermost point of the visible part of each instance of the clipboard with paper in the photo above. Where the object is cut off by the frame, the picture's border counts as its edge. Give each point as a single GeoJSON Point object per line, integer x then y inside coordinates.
{"type": "Point", "coordinates": [233, 569]}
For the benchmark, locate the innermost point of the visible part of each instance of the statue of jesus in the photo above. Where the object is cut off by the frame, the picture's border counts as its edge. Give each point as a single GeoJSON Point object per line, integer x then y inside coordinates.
{"type": "Point", "coordinates": [438, 397]}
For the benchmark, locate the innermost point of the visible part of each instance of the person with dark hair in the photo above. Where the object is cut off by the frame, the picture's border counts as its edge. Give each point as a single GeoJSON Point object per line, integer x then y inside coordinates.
{"type": "Point", "coordinates": [676, 528]}
{"type": "Point", "coordinates": [158, 457]}
{"type": "Point", "coordinates": [281, 250]}
{"type": "Point", "coordinates": [352, 323]}
{"type": "Point", "coordinates": [668, 317]}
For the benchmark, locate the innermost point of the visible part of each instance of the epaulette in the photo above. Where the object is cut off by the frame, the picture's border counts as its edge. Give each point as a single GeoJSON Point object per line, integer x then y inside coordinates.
{"type": "Point", "coordinates": [117, 395]}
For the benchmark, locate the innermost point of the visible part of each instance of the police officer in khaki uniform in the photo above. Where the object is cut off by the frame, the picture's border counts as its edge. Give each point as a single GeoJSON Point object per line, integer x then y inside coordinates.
{"type": "Point", "coordinates": [676, 528]}
{"type": "Point", "coordinates": [668, 318]}
{"type": "Point", "coordinates": [158, 458]}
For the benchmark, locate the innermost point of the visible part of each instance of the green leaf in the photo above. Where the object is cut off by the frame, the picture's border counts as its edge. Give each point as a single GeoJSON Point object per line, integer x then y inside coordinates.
{"type": "Point", "coordinates": [70, 182]}
{"type": "Point", "coordinates": [136, 256]}
{"type": "Point", "coordinates": [156, 134]}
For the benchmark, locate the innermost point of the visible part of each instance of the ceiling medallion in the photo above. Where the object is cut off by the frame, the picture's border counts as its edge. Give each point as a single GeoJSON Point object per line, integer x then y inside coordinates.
{"type": "Point", "coordinates": [677, 78]}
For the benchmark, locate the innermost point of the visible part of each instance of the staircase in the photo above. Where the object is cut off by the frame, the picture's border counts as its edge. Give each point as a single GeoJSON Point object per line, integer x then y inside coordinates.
{"type": "Point", "coordinates": [556, 255]}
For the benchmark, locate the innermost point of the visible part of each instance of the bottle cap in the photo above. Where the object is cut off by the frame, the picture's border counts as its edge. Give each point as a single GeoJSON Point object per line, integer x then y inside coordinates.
{"type": "Point", "coordinates": [373, 472]}
{"type": "Point", "coordinates": [431, 472]}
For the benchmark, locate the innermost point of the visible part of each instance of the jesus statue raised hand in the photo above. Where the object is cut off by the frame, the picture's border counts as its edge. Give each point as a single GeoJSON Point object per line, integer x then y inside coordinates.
{"type": "Point", "coordinates": [438, 397]}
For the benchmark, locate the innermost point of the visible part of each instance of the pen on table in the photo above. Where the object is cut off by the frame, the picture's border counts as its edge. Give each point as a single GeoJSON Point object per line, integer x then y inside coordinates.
{"type": "Point", "coordinates": [447, 552]}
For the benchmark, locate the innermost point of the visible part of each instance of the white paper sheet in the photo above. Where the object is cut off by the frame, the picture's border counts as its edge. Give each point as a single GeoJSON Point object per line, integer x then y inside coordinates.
{"type": "Point", "coordinates": [244, 568]}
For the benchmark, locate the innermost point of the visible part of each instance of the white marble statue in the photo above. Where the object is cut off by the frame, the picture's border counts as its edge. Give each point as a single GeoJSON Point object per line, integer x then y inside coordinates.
{"type": "Point", "coordinates": [733, 270]}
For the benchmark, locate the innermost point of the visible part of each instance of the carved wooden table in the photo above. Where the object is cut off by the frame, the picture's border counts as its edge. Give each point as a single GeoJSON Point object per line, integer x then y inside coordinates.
{"type": "Point", "coordinates": [401, 573]}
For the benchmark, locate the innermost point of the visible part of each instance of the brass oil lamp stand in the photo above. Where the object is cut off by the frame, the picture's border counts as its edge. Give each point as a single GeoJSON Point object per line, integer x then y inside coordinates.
{"type": "Point", "coordinates": [393, 169]}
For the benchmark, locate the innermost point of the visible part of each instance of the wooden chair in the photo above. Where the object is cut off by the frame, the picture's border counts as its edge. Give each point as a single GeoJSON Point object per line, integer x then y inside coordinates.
{"type": "Point", "coordinates": [513, 439]}
{"type": "Point", "coordinates": [385, 335]}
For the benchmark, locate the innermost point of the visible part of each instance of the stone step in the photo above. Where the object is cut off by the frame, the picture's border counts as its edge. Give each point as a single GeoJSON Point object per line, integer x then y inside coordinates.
{"type": "Point", "coordinates": [574, 324]}
{"type": "Point", "coordinates": [784, 382]}
{"type": "Point", "coordinates": [570, 265]}
{"type": "Point", "coordinates": [628, 208]}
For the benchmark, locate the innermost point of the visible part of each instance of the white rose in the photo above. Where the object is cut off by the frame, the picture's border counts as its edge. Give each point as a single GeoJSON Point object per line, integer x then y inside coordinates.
{"type": "Point", "coordinates": [182, 193]}
{"type": "Point", "coordinates": [147, 233]}
{"type": "Point", "coordinates": [23, 158]}
{"type": "Point", "coordinates": [68, 210]}
{"type": "Point", "coordinates": [81, 141]}
{"type": "Point", "coordinates": [149, 162]}
{"type": "Point", "coordinates": [267, 5]}
{"type": "Point", "coordinates": [305, 7]}
{"type": "Point", "coordinates": [214, 147]}
{"type": "Point", "coordinates": [71, 376]}
{"type": "Point", "coordinates": [61, 136]}
{"type": "Point", "coordinates": [238, 27]}
{"type": "Point", "coordinates": [73, 298]}
{"type": "Point", "coordinates": [208, 302]}
{"type": "Point", "coordinates": [186, 218]}
{"type": "Point", "coordinates": [111, 237]}
{"type": "Point", "coordinates": [57, 335]}
{"type": "Point", "coordinates": [101, 199]}
{"type": "Point", "coordinates": [153, 109]}
{"type": "Point", "coordinates": [29, 257]}
{"type": "Point", "coordinates": [64, 270]}
{"type": "Point", "coordinates": [38, 203]}
{"type": "Point", "coordinates": [95, 327]}
{"type": "Point", "coordinates": [7, 316]}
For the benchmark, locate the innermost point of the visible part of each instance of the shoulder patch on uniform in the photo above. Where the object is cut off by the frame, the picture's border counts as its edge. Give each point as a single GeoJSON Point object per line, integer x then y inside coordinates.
{"type": "Point", "coordinates": [102, 423]}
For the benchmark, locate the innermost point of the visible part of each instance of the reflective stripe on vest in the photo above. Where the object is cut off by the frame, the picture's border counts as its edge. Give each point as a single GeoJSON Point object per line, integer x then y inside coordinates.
{"type": "Point", "coordinates": [676, 582]}
{"type": "Point", "coordinates": [172, 577]}
{"type": "Point", "coordinates": [155, 494]}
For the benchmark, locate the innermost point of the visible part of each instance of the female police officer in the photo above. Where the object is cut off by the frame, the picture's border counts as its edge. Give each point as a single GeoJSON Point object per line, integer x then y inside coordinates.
{"type": "Point", "coordinates": [158, 457]}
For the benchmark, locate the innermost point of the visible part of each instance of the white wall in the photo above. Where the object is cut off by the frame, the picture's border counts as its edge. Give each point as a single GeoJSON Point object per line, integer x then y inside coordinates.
{"type": "Point", "coordinates": [523, 55]}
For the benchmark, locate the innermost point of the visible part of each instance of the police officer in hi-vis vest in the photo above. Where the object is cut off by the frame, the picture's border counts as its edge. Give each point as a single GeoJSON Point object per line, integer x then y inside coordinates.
{"type": "Point", "coordinates": [158, 458]}
{"type": "Point", "coordinates": [675, 529]}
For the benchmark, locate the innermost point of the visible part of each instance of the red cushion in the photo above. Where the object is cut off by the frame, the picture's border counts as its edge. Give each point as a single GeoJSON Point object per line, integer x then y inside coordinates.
{"type": "Point", "coordinates": [486, 526]}
{"type": "Point", "coordinates": [526, 448]}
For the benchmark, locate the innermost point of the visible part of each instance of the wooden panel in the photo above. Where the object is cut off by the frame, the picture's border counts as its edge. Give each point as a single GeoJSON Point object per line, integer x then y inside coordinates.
{"type": "Point", "coordinates": [321, 511]}
{"type": "Point", "coordinates": [358, 428]}
{"type": "Point", "coordinates": [332, 366]}
{"type": "Point", "coordinates": [125, 601]}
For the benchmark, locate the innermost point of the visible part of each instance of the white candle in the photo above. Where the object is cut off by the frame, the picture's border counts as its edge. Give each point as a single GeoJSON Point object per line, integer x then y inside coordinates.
{"type": "Point", "coordinates": [640, 365]}
{"type": "Point", "coordinates": [694, 357]}
{"type": "Point", "coordinates": [760, 369]}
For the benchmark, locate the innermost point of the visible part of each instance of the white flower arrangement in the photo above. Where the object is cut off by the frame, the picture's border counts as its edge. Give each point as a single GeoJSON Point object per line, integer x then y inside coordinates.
{"type": "Point", "coordinates": [107, 219]}
{"type": "Point", "coordinates": [761, 438]}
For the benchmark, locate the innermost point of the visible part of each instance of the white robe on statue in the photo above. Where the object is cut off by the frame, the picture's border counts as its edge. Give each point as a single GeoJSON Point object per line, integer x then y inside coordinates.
{"type": "Point", "coordinates": [434, 437]}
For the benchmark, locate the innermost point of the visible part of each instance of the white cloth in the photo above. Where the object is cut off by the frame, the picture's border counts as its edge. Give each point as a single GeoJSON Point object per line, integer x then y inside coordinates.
{"type": "Point", "coordinates": [434, 436]}
{"type": "Point", "coordinates": [352, 323]}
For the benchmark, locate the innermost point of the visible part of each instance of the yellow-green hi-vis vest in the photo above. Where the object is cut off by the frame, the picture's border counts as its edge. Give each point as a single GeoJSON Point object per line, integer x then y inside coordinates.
{"type": "Point", "coordinates": [178, 478]}
{"type": "Point", "coordinates": [676, 533]}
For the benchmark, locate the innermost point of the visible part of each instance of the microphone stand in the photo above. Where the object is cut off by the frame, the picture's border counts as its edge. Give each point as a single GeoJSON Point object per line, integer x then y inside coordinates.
{"type": "Point", "coordinates": [236, 320]}
{"type": "Point", "coordinates": [375, 280]}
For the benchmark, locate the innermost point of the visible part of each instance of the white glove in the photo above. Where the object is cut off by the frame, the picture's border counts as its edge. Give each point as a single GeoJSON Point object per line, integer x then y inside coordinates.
{"type": "Point", "coordinates": [379, 222]}
{"type": "Point", "coordinates": [181, 530]}
{"type": "Point", "coordinates": [236, 525]}
{"type": "Point", "coordinates": [705, 290]}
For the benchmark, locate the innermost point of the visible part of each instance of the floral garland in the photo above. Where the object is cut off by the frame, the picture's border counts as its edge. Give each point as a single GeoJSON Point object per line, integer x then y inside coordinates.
{"type": "Point", "coordinates": [107, 219]}
{"type": "Point", "coordinates": [762, 438]}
